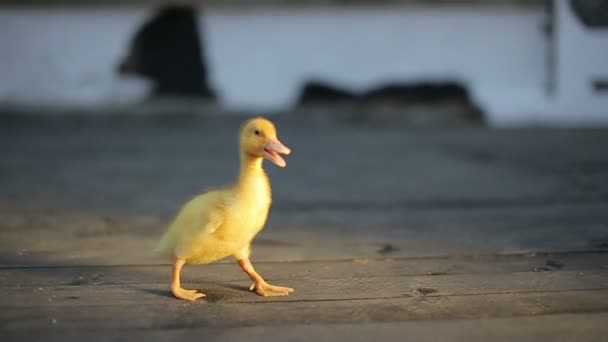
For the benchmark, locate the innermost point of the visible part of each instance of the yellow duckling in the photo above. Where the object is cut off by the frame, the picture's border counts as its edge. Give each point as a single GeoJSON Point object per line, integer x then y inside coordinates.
{"type": "Point", "coordinates": [223, 222]}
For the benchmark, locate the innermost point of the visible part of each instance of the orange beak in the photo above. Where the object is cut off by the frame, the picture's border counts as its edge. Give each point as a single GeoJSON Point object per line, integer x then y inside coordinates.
{"type": "Point", "coordinates": [272, 150]}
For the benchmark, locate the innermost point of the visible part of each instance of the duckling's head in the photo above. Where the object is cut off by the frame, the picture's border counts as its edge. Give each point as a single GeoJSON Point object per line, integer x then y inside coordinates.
{"type": "Point", "coordinates": [259, 140]}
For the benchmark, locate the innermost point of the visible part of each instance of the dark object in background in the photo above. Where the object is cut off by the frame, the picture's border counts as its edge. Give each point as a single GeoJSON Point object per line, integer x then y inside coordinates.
{"type": "Point", "coordinates": [423, 102]}
{"type": "Point", "coordinates": [320, 93]}
{"type": "Point", "coordinates": [167, 50]}
{"type": "Point", "coordinates": [420, 102]}
{"type": "Point", "coordinates": [593, 13]}
{"type": "Point", "coordinates": [425, 93]}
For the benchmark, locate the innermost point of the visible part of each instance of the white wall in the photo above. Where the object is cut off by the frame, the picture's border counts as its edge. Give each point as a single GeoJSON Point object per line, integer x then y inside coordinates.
{"type": "Point", "coordinates": [259, 58]}
{"type": "Point", "coordinates": [65, 56]}
{"type": "Point", "coordinates": [582, 54]}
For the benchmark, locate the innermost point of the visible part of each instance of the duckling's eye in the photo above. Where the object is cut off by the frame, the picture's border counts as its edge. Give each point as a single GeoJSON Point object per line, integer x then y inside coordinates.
{"type": "Point", "coordinates": [256, 132]}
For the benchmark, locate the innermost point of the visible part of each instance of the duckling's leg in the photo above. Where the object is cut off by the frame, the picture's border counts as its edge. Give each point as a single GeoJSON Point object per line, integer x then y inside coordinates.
{"type": "Point", "coordinates": [176, 286]}
{"type": "Point", "coordinates": [259, 284]}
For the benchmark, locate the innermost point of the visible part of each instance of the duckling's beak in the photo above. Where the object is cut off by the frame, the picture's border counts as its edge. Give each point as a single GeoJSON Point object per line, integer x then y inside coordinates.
{"type": "Point", "coordinates": [272, 150]}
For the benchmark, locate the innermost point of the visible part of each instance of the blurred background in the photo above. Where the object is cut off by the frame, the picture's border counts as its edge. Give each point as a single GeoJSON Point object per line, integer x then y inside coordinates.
{"type": "Point", "coordinates": [501, 63]}
{"type": "Point", "coordinates": [414, 124]}
{"type": "Point", "coordinates": [449, 174]}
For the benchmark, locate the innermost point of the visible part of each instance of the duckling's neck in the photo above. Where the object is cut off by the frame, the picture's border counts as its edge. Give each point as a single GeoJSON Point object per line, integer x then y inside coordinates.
{"type": "Point", "coordinates": [252, 178]}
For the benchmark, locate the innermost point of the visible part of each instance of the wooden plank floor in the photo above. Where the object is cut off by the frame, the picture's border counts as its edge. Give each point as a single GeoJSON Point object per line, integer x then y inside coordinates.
{"type": "Point", "coordinates": [463, 234]}
{"type": "Point", "coordinates": [126, 299]}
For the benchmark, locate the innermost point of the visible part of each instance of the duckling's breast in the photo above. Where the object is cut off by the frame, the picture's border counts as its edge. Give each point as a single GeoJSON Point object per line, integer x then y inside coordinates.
{"type": "Point", "coordinates": [245, 220]}
{"type": "Point", "coordinates": [245, 213]}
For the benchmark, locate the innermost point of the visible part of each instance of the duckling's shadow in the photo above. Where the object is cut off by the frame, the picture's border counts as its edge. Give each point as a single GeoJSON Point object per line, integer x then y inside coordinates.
{"type": "Point", "coordinates": [157, 292]}
{"type": "Point", "coordinates": [214, 293]}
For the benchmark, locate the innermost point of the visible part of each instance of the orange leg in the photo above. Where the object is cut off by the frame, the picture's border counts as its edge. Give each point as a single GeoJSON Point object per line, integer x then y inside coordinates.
{"type": "Point", "coordinates": [176, 287]}
{"type": "Point", "coordinates": [259, 284]}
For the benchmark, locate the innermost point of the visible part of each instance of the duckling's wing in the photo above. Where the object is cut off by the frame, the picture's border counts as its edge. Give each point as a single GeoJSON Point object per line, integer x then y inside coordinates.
{"type": "Point", "coordinates": [198, 219]}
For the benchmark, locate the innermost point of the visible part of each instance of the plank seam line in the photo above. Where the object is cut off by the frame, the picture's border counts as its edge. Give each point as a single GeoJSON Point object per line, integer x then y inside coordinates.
{"type": "Point", "coordinates": [254, 302]}
{"type": "Point", "coordinates": [239, 282]}
{"type": "Point", "coordinates": [475, 257]}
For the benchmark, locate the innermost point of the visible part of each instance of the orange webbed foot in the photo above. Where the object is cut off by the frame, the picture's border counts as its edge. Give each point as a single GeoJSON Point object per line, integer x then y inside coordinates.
{"type": "Point", "coordinates": [190, 295]}
{"type": "Point", "coordinates": [264, 289]}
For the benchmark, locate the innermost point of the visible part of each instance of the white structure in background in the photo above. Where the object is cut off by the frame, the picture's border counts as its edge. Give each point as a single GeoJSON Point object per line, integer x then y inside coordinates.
{"type": "Point", "coordinates": [581, 60]}
{"type": "Point", "coordinates": [568, 96]}
{"type": "Point", "coordinates": [260, 59]}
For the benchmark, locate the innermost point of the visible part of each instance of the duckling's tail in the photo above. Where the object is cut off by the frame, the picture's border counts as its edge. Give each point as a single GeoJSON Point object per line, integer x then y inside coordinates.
{"type": "Point", "coordinates": [166, 245]}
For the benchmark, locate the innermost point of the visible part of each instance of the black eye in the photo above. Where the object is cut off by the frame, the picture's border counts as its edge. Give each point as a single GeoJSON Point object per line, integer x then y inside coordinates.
{"type": "Point", "coordinates": [256, 132]}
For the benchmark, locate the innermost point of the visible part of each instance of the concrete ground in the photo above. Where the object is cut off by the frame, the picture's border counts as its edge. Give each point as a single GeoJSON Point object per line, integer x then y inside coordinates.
{"type": "Point", "coordinates": [444, 233]}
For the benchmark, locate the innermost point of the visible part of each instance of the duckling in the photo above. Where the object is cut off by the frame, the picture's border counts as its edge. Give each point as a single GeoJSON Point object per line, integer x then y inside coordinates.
{"type": "Point", "coordinates": [223, 222]}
